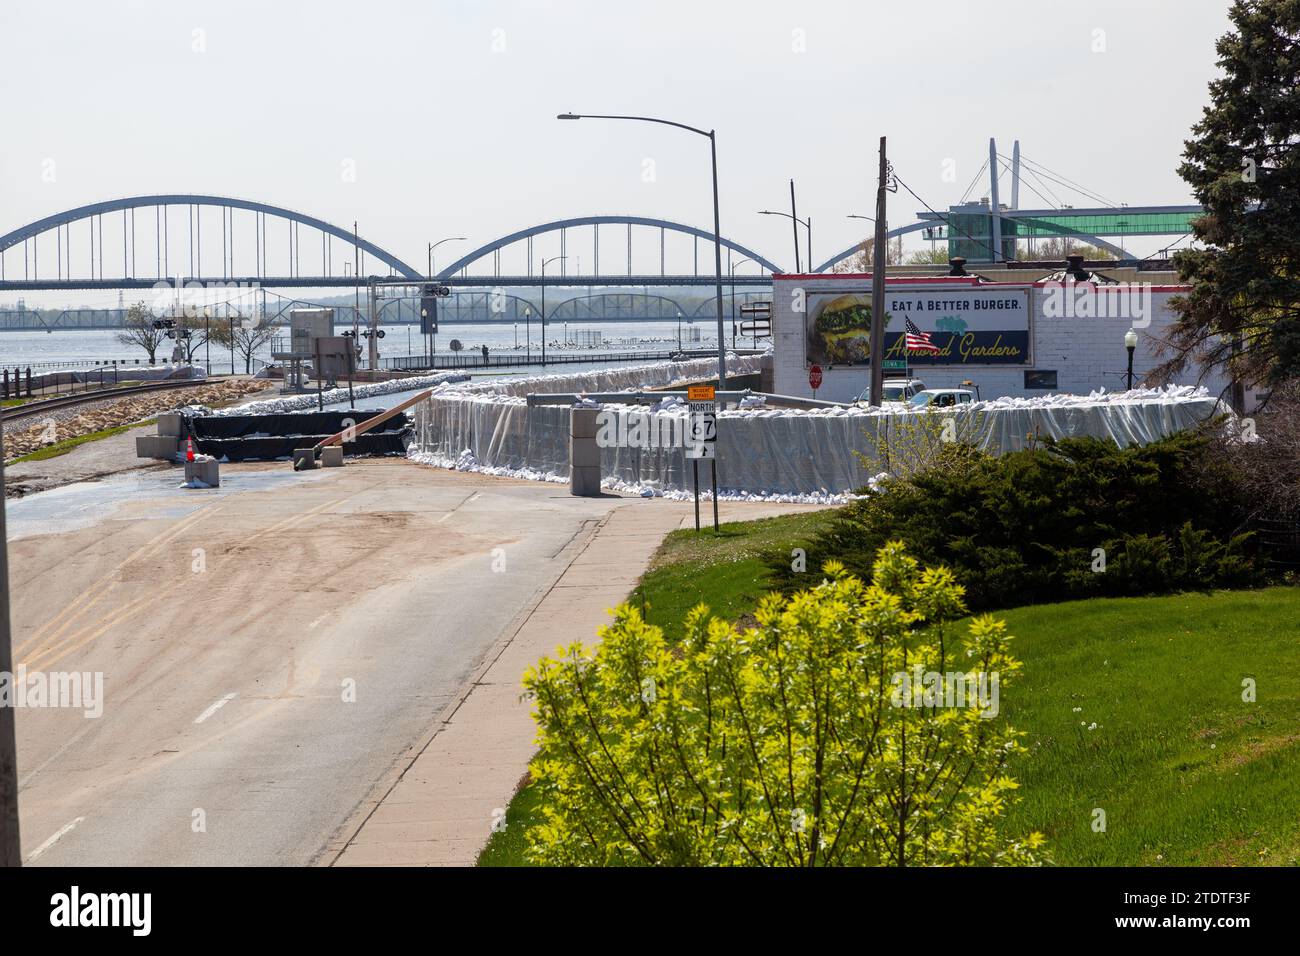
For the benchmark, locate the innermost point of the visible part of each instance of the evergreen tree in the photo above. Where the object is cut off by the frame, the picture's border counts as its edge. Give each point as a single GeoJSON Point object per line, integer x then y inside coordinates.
{"type": "Point", "coordinates": [1243, 311]}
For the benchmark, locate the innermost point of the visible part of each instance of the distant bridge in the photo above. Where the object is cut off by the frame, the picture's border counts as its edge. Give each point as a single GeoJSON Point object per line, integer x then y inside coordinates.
{"type": "Point", "coordinates": [248, 244]}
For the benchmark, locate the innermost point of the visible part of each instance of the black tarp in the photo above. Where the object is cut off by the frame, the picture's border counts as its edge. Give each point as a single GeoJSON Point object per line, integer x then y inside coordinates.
{"type": "Point", "coordinates": [267, 437]}
{"type": "Point", "coordinates": [266, 449]}
{"type": "Point", "coordinates": [288, 423]}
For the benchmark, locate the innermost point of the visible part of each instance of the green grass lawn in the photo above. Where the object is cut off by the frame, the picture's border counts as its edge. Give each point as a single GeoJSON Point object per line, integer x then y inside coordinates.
{"type": "Point", "coordinates": [1185, 770]}
{"type": "Point", "coordinates": [65, 446]}
{"type": "Point", "coordinates": [724, 570]}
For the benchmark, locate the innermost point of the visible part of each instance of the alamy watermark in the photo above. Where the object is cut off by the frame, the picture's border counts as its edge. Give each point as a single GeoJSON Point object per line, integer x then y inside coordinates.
{"type": "Point", "coordinates": [80, 690]}
{"type": "Point", "coordinates": [922, 688]}
{"type": "Point", "coordinates": [1085, 300]}
{"type": "Point", "coordinates": [176, 299]}
{"type": "Point", "coordinates": [649, 431]}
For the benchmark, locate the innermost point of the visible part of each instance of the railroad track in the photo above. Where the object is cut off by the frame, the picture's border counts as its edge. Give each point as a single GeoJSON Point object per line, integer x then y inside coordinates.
{"type": "Point", "coordinates": [32, 409]}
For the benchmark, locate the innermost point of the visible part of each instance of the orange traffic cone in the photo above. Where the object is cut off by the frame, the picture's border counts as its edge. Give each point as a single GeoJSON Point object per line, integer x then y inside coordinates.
{"type": "Point", "coordinates": [189, 448]}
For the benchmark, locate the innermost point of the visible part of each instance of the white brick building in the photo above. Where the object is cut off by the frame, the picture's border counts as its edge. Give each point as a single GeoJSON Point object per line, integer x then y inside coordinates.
{"type": "Point", "coordinates": [1048, 337]}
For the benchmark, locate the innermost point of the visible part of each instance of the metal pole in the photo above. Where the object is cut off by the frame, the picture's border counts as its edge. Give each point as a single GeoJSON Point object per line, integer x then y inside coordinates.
{"type": "Point", "coordinates": [794, 228]}
{"type": "Point", "coordinates": [733, 305]}
{"type": "Point", "coordinates": [717, 262]}
{"type": "Point", "coordinates": [1130, 368]}
{"type": "Point", "coordinates": [713, 467]}
{"type": "Point", "coordinates": [695, 468]}
{"type": "Point", "coordinates": [320, 397]}
{"type": "Point", "coordinates": [878, 286]}
{"type": "Point", "coordinates": [373, 356]}
{"type": "Point", "coordinates": [10, 844]}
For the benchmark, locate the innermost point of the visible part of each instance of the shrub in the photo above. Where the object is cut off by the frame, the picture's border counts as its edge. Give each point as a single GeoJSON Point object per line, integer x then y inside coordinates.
{"type": "Point", "coordinates": [1025, 527]}
{"type": "Point", "coordinates": [794, 743]}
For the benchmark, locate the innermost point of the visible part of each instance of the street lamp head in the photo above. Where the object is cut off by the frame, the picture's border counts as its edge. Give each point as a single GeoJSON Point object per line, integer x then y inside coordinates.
{"type": "Point", "coordinates": [1130, 339]}
{"type": "Point", "coordinates": [568, 116]}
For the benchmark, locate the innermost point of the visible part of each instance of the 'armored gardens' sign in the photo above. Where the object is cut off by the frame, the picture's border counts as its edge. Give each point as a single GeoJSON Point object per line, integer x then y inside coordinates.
{"type": "Point", "coordinates": [966, 326]}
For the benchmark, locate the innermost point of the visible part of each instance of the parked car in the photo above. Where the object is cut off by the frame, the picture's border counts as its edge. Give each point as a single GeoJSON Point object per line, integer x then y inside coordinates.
{"type": "Point", "coordinates": [942, 398]}
{"type": "Point", "coordinates": [895, 390]}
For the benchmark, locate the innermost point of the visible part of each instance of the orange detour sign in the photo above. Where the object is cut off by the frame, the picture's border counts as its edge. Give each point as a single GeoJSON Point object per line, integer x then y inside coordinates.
{"type": "Point", "coordinates": [699, 393]}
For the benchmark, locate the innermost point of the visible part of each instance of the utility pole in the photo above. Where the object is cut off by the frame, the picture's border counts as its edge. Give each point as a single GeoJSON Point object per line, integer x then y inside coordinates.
{"type": "Point", "coordinates": [878, 286]}
{"type": "Point", "coordinates": [794, 228]}
{"type": "Point", "coordinates": [10, 847]}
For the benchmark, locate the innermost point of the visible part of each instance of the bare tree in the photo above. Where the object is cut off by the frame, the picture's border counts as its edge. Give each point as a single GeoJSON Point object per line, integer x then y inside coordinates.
{"type": "Point", "coordinates": [1055, 250]}
{"type": "Point", "coordinates": [861, 261]}
{"type": "Point", "coordinates": [138, 329]}
{"type": "Point", "coordinates": [245, 335]}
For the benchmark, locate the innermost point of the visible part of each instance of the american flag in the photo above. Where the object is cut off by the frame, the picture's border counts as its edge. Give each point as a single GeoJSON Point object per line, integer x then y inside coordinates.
{"type": "Point", "coordinates": [918, 341]}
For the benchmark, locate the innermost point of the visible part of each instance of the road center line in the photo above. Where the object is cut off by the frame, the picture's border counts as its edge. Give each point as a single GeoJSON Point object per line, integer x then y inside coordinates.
{"type": "Point", "coordinates": [214, 708]}
{"type": "Point", "coordinates": [54, 839]}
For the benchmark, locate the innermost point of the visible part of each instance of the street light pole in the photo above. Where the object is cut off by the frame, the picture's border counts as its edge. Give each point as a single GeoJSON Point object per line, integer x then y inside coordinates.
{"type": "Point", "coordinates": [734, 266]}
{"type": "Point", "coordinates": [717, 224]}
{"type": "Point", "coordinates": [1130, 343]}
{"type": "Point", "coordinates": [10, 845]}
{"type": "Point", "coordinates": [528, 335]}
{"type": "Point", "coordinates": [545, 263]}
{"type": "Point", "coordinates": [806, 223]}
{"type": "Point", "coordinates": [433, 336]}
{"type": "Point", "coordinates": [435, 245]}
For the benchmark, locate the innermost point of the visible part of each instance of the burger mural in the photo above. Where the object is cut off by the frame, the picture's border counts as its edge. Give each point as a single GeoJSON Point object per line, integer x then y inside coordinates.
{"type": "Point", "coordinates": [839, 332]}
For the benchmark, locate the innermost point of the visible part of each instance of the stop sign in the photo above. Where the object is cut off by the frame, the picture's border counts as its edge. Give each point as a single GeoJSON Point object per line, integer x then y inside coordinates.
{"type": "Point", "coordinates": [815, 377]}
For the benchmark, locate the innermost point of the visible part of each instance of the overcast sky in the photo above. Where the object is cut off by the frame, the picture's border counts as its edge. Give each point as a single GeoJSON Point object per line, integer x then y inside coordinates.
{"type": "Point", "coordinates": [432, 119]}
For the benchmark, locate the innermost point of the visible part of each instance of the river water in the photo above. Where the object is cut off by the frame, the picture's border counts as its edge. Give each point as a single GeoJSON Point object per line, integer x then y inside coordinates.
{"type": "Point", "coordinates": [35, 348]}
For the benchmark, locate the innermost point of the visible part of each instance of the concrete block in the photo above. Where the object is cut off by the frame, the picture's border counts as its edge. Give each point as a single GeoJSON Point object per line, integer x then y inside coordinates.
{"type": "Point", "coordinates": [204, 469]}
{"type": "Point", "coordinates": [171, 423]}
{"type": "Point", "coordinates": [304, 459]}
{"type": "Point", "coordinates": [584, 482]}
{"type": "Point", "coordinates": [584, 453]}
{"type": "Point", "coordinates": [331, 456]}
{"type": "Point", "coordinates": [157, 446]}
{"type": "Point", "coordinates": [582, 422]}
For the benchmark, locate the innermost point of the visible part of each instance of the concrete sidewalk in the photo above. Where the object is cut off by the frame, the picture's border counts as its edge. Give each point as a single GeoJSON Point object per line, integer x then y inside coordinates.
{"type": "Point", "coordinates": [438, 810]}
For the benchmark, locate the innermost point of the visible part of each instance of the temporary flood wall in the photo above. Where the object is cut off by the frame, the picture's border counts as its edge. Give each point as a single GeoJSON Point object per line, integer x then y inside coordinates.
{"type": "Point", "coordinates": [113, 375]}
{"type": "Point", "coordinates": [761, 452]}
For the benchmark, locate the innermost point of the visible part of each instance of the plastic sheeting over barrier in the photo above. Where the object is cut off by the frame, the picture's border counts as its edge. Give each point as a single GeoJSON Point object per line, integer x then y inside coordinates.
{"type": "Point", "coordinates": [114, 374]}
{"type": "Point", "coordinates": [767, 452]}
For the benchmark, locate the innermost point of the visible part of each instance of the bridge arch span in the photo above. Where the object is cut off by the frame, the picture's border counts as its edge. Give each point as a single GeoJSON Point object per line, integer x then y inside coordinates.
{"type": "Point", "coordinates": [488, 248]}
{"type": "Point", "coordinates": [31, 230]}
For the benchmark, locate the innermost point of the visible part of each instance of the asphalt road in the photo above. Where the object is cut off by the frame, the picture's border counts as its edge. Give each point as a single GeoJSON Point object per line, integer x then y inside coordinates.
{"type": "Point", "coordinates": [269, 650]}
